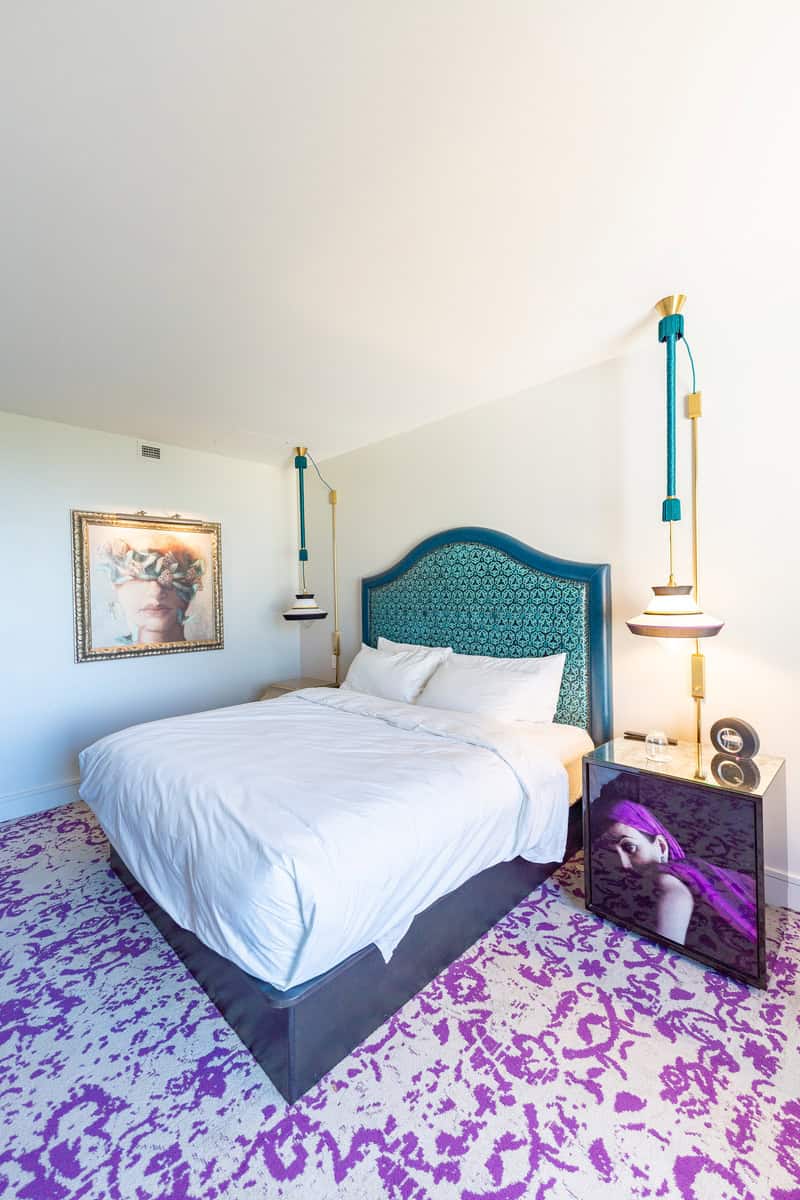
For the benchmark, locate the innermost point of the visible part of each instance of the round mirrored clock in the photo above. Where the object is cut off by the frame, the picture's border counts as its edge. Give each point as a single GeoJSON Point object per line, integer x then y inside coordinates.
{"type": "Point", "coordinates": [733, 737]}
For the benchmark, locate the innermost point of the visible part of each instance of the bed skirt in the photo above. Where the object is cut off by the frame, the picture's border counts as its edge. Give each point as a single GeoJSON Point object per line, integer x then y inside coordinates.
{"type": "Point", "coordinates": [297, 1036]}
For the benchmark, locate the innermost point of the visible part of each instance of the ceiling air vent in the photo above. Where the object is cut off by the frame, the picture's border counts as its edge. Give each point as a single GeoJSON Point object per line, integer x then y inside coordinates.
{"type": "Point", "coordinates": [148, 450]}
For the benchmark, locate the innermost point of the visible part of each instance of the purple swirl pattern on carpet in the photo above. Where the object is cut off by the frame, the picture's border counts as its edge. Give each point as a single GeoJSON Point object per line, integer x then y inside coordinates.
{"type": "Point", "coordinates": [560, 1058]}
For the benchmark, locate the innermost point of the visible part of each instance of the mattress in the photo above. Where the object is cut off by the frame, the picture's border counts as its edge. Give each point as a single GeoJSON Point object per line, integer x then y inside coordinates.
{"type": "Point", "coordinates": [290, 833]}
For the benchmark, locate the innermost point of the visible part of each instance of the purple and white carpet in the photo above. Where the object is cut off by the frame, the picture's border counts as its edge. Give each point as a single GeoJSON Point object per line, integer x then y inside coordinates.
{"type": "Point", "coordinates": [560, 1058]}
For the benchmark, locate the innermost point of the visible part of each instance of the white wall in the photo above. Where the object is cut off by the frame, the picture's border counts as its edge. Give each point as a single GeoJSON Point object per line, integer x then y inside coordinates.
{"type": "Point", "coordinates": [50, 707]}
{"type": "Point", "coordinates": [575, 467]}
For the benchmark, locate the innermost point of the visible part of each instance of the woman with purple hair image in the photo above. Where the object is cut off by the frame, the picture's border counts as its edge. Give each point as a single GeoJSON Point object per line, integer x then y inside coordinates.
{"type": "Point", "coordinates": [646, 874]}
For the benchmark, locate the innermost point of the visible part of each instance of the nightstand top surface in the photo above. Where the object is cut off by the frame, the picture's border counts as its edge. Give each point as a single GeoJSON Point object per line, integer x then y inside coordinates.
{"type": "Point", "coordinates": [304, 681]}
{"type": "Point", "coordinates": [625, 752]}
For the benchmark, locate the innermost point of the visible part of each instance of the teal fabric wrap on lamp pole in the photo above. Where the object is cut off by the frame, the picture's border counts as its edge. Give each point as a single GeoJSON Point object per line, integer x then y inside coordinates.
{"type": "Point", "coordinates": [301, 462]}
{"type": "Point", "coordinates": [670, 329]}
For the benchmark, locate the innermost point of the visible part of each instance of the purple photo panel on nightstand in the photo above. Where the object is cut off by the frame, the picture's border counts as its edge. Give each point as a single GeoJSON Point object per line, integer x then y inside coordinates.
{"type": "Point", "coordinates": [680, 863]}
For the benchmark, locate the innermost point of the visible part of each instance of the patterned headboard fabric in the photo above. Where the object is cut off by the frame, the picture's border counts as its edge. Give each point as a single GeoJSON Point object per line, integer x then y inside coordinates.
{"type": "Point", "coordinates": [483, 592]}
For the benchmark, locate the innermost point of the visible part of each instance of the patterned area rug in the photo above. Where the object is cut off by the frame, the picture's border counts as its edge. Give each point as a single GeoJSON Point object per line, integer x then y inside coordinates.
{"type": "Point", "coordinates": [560, 1058]}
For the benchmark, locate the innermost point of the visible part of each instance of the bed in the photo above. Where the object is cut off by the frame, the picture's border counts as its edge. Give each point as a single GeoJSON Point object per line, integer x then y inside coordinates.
{"type": "Point", "coordinates": [366, 843]}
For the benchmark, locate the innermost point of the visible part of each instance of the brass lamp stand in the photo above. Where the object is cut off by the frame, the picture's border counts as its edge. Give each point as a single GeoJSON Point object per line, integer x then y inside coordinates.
{"type": "Point", "coordinates": [694, 411]}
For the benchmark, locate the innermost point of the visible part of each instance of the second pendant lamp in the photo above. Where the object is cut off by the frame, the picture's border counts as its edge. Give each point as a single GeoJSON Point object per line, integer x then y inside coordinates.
{"type": "Point", "coordinates": [305, 607]}
{"type": "Point", "coordinates": [675, 610]}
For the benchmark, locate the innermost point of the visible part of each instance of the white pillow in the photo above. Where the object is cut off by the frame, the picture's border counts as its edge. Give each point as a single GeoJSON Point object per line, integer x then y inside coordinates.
{"type": "Point", "coordinates": [505, 689]}
{"type": "Point", "coordinates": [399, 675]}
{"type": "Point", "coordinates": [388, 644]}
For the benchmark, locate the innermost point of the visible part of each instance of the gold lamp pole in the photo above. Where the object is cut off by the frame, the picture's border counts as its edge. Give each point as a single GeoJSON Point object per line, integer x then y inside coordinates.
{"type": "Point", "coordinates": [694, 411]}
{"type": "Point", "coordinates": [676, 610]}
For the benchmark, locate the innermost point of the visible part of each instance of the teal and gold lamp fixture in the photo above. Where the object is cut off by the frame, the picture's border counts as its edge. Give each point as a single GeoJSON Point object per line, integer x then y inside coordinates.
{"type": "Point", "coordinates": [675, 610]}
{"type": "Point", "coordinates": [305, 607]}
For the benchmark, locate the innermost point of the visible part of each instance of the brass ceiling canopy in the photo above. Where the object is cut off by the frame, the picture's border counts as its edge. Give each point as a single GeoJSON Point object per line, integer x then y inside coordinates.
{"type": "Point", "coordinates": [670, 305]}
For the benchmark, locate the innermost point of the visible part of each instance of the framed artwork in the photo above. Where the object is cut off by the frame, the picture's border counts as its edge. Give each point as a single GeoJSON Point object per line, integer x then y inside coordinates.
{"type": "Point", "coordinates": [145, 585]}
{"type": "Point", "coordinates": [678, 862]}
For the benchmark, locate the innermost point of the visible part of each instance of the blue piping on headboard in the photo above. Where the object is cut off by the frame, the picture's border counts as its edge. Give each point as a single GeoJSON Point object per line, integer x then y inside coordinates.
{"type": "Point", "coordinates": [484, 592]}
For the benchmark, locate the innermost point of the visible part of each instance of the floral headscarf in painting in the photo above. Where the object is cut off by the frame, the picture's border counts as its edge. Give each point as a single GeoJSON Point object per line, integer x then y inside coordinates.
{"type": "Point", "coordinates": [171, 563]}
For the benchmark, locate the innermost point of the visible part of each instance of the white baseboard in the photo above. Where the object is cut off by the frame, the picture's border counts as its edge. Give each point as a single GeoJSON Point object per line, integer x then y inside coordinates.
{"type": "Point", "coordinates": [782, 889]}
{"type": "Point", "coordinates": [33, 800]}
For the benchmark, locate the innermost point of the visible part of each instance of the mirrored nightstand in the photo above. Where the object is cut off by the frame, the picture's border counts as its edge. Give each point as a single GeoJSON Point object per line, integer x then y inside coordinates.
{"type": "Point", "coordinates": [680, 858]}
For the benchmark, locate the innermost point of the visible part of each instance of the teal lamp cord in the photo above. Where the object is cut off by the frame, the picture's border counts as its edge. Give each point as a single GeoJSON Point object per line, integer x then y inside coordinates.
{"type": "Point", "coordinates": [316, 468]}
{"type": "Point", "coordinates": [313, 462]}
{"type": "Point", "coordinates": [691, 360]}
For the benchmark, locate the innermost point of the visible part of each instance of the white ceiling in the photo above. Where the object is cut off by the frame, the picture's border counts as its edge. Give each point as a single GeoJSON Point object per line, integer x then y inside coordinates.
{"type": "Point", "coordinates": [236, 224]}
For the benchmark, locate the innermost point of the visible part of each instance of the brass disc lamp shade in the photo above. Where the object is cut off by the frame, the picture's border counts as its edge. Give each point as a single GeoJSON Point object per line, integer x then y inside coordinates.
{"type": "Point", "coordinates": [673, 613]}
{"type": "Point", "coordinates": [305, 608]}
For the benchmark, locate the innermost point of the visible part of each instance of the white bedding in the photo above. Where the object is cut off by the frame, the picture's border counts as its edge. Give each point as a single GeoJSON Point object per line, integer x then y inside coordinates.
{"type": "Point", "coordinates": [288, 834]}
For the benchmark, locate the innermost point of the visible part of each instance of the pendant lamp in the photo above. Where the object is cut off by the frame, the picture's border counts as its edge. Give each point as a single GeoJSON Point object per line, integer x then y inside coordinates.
{"type": "Point", "coordinates": [675, 610]}
{"type": "Point", "coordinates": [305, 606]}
{"type": "Point", "coordinates": [674, 613]}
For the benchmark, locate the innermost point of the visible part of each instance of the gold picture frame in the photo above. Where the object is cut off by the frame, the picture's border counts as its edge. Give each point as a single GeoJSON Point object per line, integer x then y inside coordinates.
{"type": "Point", "coordinates": [145, 585]}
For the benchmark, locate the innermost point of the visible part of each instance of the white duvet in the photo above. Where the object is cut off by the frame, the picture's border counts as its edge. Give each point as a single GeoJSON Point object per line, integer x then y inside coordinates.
{"type": "Point", "coordinates": [290, 833]}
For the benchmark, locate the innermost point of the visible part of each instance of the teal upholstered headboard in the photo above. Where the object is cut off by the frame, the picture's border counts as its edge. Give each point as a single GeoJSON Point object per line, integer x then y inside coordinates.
{"type": "Point", "coordinates": [483, 592]}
